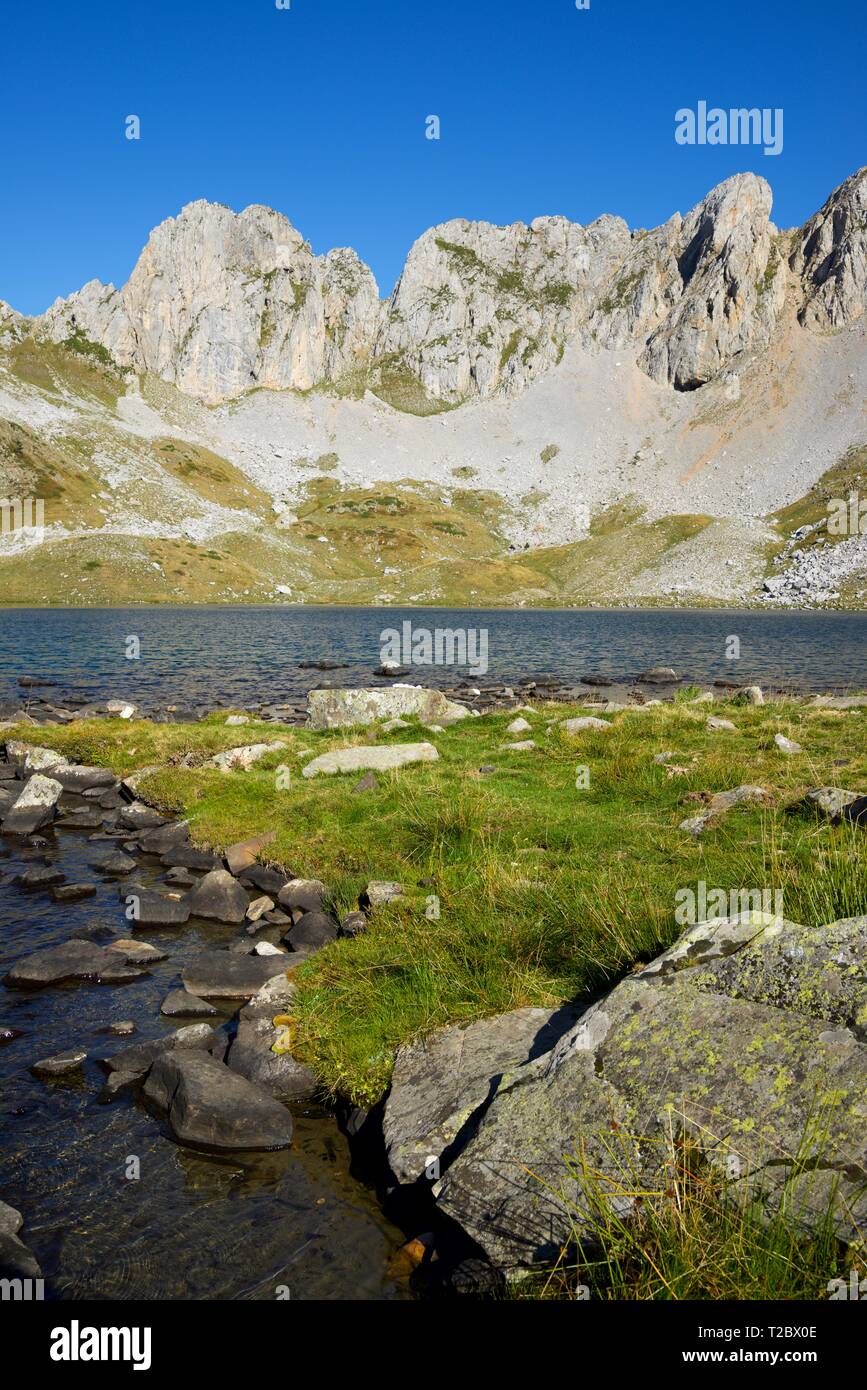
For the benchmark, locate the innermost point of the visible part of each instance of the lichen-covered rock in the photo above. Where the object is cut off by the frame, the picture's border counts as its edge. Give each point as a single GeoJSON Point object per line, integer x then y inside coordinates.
{"type": "Point", "coordinates": [338, 709]}
{"type": "Point", "coordinates": [376, 759]}
{"type": "Point", "coordinates": [440, 1082]}
{"type": "Point", "coordinates": [739, 1037]}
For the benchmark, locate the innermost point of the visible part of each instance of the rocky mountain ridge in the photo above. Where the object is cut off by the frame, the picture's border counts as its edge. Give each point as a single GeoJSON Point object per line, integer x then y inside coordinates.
{"type": "Point", "coordinates": [220, 303]}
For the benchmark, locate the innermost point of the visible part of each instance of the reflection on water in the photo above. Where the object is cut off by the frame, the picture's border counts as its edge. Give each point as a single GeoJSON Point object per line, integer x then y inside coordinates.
{"type": "Point", "coordinates": [191, 1226]}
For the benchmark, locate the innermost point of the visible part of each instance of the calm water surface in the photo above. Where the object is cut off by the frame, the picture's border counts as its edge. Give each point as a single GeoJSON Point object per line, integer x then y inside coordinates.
{"type": "Point", "coordinates": [251, 655]}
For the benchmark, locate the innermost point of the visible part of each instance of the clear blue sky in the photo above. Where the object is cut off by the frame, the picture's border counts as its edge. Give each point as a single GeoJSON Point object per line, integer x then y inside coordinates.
{"type": "Point", "coordinates": [320, 112]}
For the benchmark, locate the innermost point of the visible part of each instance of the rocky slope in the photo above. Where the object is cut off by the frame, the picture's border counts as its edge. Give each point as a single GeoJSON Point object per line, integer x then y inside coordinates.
{"type": "Point", "coordinates": [636, 409]}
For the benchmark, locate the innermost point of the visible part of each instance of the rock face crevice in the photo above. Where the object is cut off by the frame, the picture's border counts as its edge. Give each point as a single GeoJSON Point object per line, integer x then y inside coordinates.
{"type": "Point", "coordinates": [221, 303]}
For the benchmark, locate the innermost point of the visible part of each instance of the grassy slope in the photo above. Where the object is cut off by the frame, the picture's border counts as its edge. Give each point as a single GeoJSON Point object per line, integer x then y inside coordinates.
{"type": "Point", "coordinates": [546, 891]}
{"type": "Point", "coordinates": [450, 553]}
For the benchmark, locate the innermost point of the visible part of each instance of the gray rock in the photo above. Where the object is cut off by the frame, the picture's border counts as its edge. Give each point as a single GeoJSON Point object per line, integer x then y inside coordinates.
{"type": "Point", "coordinates": [210, 1106]}
{"type": "Point", "coordinates": [339, 709]}
{"type": "Point", "coordinates": [135, 1062]}
{"type": "Point", "coordinates": [33, 880]}
{"type": "Point", "coordinates": [308, 894]}
{"type": "Point", "coordinates": [733, 1037]}
{"type": "Point", "coordinates": [311, 932]}
{"type": "Point", "coordinates": [379, 892]}
{"type": "Point", "coordinates": [63, 1064]}
{"type": "Point", "coordinates": [748, 695]}
{"type": "Point", "coordinates": [787, 745]}
{"type": "Point", "coordinates": [584, 724]}
{"type": "Point", "coordinates": [34, 806]}
{"type": "Point", "coordinates": [219, 897]}
{"type": "Point", "coordinates": [659, 675]}
{"type": "Point", "coordinates": [716, 725]}
{"type": "Point", "coordinates": [241, 759]}
{"type": "Point", "coordinates": [180, 1003]}
{"type": "Point", "coordinates": [439, 1084]}
{"type": "Point", "coordinates": [251, 1053]}
{"type": "Point", "coordinates": [223, 975]}
{"type": "Point", "coordinates": [117, 863]}
{"type": "Point", "coordinates": [155, 910]}
{"type": "Point", "coordinates": [372, 758]}
{"type": "Point", "coordinates": [138, 952]}
{"type": "Point", "coordinates": [74, 960]}
{"type": "Point", "coordinates": [830, 802]}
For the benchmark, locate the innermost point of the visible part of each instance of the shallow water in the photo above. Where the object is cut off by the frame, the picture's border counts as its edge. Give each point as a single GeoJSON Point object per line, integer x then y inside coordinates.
{"type": "Point", "coordinates": [192, 1226]}
{"type": "Point", "coordinates": [245, 656]}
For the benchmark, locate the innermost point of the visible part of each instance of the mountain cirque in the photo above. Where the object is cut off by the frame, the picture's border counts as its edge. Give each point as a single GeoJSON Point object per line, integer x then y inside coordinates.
{"type": "Point", "coordinates": [543, 413]}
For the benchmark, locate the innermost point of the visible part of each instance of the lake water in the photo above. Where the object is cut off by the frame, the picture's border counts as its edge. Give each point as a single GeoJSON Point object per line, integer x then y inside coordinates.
{"type": "Point", "coordinates": [248, 656]}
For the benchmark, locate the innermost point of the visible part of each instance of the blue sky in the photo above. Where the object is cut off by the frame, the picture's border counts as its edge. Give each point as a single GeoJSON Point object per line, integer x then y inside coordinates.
{"type": "Point", "coordinates": [319, 111]}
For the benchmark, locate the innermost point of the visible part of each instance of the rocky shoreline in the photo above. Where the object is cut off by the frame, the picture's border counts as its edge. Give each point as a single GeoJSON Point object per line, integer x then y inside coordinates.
{"type": "Point", "coordinates": [469, 1142]}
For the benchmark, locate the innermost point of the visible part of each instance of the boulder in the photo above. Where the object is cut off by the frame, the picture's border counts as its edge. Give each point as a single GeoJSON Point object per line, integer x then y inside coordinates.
{"type": "Point", "coordinates": [31, 758]}
{"type": "Point", "coordinates": [737, 1037]}
{"type": "Point", "coordinates": [117, 863]}
{"type": "Point", "coordinates": [787, 745]}
{"type": "Point", "coordinates": [179, 1003]}
{"type": "Point", "coordinates": [16, 1261]}
{"type": "Point", "coordinates": [524, 746]}
{"type": "Point", "coordinates": [74, 960]}
{"type": "Point", "coordinates": [370, 758]}
{"type": "Point", "coordinates": [830, 802]}
{"type": "Point", "coordinates": [154, 910]}
{"type": "Point", "coordinates": [252, 1053]}
{"type": "Point", "coordinates": [73, 892]}
{"type": "Point", "coordinates": [138, 816]}
{"type": "Point", "coordinates": [308, 894]}
{"type": "Point", "coordinates": [218, 897]}
{"type": "Point", "coordinates": [340, 709]}
{"type": "Point", "coordinates": [34, 880]}
{"type": "Point", "coordinates": [210, 1106]}
{"type": "Point", "coordinates": [224, 975]}
{"type": "Point", "coordinates": [137, 952]}
{"type": "Point", "coordinates": [240, 759]}
{"type": "Point", "coordinates": [748, 695]}
{"type": "Point", "coordinates": [440, 1083]}
{"type": "Point", "coordinates": [34, 807]}
{"type": "Point", "coordinates": [379, 892]}
{"type": "Point", "coordinates": [518, 726]}
{"type": "Point", "coordinates": [135, 1062]}
{"type": "Point", "coordinates": [716, 725]}
{"type": "Point", "coordinates": [584, 724]}
{"type": "Point", "coordinates": [311, 932]}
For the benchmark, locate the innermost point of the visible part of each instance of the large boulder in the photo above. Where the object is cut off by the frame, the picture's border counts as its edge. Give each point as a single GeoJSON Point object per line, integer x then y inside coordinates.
{"type": "Point", "coordinates": [440, 1082]}
{"type": "Point", "coordinates": [34, 807]}
{"type": "Point", "coordinates": [209, 1106]}
{"type": "Point", "coordinates": [340, 709]}
{"type": "Point", "coordinates": [739, 1037]}
{"type": "Point", "coordinates": [376, 759]}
